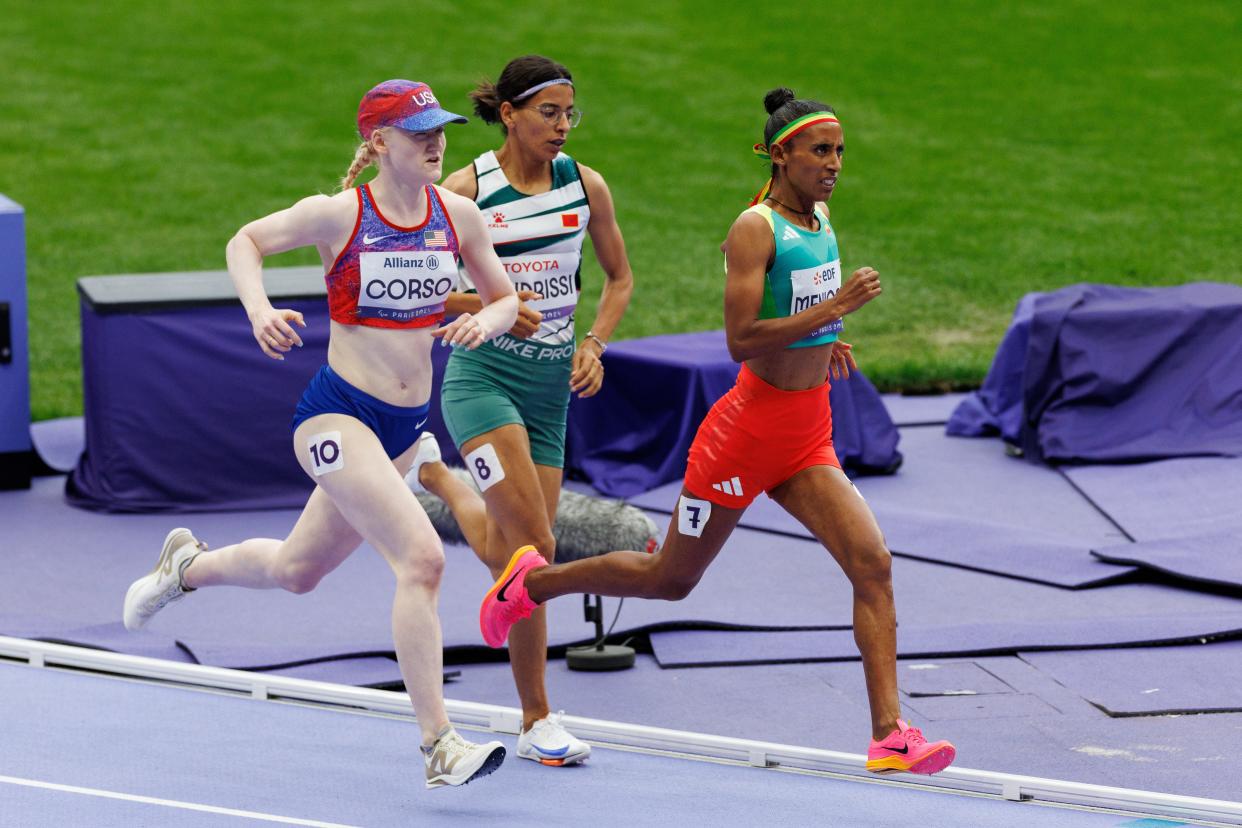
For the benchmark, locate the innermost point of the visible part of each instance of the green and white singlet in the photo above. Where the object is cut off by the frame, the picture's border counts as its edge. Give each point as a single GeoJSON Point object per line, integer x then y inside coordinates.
{"type": "Point", "coordinates": [526, 381]}
{"type": "Point", "coordinates": [539, 241]}
{"type": "Point", "coordinates": [806, 270]}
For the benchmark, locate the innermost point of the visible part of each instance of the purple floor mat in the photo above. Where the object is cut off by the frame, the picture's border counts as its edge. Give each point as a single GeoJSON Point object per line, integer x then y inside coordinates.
{"type": "Point", "coordinates": [1208, 559]}
{"type": "Point", "coordinates": [759, 580]}
{"type": "Point", "coordinates": [59, 442]}
{"type": "Point", "coordinates": [921, 409]}
{"type": "Point", "coordinates": [1167, 499]}
{"type": "Point", "coordinates": [349, 613]}
{"type": "Point", "coordinates": [982, 708]}
{"type": "Point", "coordinates": [109, 636]}
{"type": "Point", "coordinates": [1128, 682]}
{"type": "Point", "coordinates": [961, 678]}
{"type": "Point", "coordinates": [931, 510]}
{"type": "Point", "coordinates": [997, 548]}
{"type": "Point", "coordinates": [691, 648]}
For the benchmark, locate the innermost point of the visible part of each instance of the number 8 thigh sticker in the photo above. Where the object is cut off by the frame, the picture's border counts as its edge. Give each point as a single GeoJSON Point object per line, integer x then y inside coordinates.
{"type": "Point", "coordinates": [692, 516]}
{"type": "Point", "coordinates": [485, 467]}
{"type": "Point", "coordinates": [325, 452]}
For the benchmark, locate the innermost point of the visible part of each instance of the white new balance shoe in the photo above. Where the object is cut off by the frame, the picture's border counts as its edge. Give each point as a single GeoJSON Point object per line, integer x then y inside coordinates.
{"type": "Point", "coordinates": [428, 452]}
{"type": "Point", "coordinates": [162, 585]}
{"type": "Point", "coordinates": [454, 761]}
{"type": "Point", "coordinates": [548, 743]}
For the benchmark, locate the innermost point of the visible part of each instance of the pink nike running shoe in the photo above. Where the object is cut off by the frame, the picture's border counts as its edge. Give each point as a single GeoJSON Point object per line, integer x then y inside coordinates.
{"type": "Point", "coordinates": [508, 602]}
{"type": "Point", "coordinates": [905, 750]}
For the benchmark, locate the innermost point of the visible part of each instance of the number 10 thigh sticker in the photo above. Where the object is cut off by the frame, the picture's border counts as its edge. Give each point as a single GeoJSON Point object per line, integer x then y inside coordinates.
{"type": "Point", "coordinates": [692, 516]}
{"type": "Point", "coordinates": [485, 467]}
{"type": "Point", "coordinates": [325, 452]}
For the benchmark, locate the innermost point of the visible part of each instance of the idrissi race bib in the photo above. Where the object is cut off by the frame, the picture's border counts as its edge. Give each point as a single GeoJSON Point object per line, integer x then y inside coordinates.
{"type": "Point", "coordinates": [552, 276]}
{"type": "Point", "coordinates": [813, 285]}
{"type": "Point", "coordinates": [404, 285]}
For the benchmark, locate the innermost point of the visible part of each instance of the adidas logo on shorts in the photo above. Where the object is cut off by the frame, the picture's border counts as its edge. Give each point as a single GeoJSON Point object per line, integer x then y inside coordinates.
{"type": "Point", "coordinates": [729, 487]}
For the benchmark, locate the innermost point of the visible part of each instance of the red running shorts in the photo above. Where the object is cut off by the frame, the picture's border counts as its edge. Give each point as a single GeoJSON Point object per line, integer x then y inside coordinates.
{"type": "Point", "coordinates": [755, 438]}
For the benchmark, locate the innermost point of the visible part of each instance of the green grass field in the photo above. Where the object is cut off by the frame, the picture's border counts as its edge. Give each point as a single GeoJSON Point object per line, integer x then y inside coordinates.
{"type": "Point", "coordinates": [994, 148]}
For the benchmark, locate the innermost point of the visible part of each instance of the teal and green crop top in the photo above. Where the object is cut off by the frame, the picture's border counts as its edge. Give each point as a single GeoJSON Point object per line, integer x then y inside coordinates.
{"type": "Point", "coordinates": [806, 270]}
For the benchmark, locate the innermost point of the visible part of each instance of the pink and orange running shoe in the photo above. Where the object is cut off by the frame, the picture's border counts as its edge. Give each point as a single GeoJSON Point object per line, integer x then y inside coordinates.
{"type": "Point", "coordinates": [905, 750]}
{"type": "Point", "coordinates": [508, 602]}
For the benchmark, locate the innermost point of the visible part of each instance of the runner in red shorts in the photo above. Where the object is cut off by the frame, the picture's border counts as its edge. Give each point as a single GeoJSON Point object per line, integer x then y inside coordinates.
{"type": "Point", "coordinates": [784, 301]}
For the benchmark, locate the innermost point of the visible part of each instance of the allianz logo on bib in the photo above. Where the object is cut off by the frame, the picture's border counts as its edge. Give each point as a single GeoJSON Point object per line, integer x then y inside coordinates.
{"type": "Point", "coordinates": [431, 262]}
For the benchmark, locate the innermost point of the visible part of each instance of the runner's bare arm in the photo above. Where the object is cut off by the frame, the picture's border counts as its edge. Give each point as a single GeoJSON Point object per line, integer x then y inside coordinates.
{"type": "Point", "coordinates": [610, 252]}
{"type": "Point", "coordinates": [500, 303]}
{"type": "Point", "coordinates": [587, 374]}
{"type": "Point", "coordinates": [316, 220]}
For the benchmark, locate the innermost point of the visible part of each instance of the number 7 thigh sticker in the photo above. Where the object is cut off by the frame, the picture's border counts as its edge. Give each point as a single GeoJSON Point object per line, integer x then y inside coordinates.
{"type": "Point", "coordinates": [325, 452]}
{"type": "Point", "coordinates": [485, 467]}
{"type": "Point", "coordinates": [692, 516]}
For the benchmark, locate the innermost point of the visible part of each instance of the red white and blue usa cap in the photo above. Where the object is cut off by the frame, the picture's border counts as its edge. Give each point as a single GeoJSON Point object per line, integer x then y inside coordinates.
{"type": "Point", "coordinates": [405, 104]}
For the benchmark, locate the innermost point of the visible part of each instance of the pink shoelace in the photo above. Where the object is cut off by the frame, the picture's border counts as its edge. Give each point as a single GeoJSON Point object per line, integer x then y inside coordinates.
{"type": "Point", "coordinates": [914, 736]}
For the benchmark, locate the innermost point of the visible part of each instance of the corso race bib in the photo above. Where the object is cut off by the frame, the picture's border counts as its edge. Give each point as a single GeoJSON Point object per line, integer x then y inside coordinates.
{"type": "Point", "coordinates": [401, 286]}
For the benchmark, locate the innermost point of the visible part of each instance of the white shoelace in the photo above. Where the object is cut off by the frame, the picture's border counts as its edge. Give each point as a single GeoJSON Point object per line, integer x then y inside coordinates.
{"type": "Point", "coordinates": [550, 722]}
{"type": "Point", "coordinates": [456, 746]}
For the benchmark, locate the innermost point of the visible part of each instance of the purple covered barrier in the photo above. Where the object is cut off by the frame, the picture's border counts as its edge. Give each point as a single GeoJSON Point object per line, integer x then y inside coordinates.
{"type": "Point", "coordinates": [634, 434]}
{"type": "Point", "coordinates": [1093, 373]}
{"type": "Point", "coordinates": [182, 410]}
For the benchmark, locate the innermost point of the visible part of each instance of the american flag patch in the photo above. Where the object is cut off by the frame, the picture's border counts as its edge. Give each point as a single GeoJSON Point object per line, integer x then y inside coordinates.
{"type": "Point", "coordinates": [435, 238]}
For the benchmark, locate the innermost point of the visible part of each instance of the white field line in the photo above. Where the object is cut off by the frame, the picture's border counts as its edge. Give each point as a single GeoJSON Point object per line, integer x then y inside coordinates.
{"type": "Point", "coordinates": [167, 803]}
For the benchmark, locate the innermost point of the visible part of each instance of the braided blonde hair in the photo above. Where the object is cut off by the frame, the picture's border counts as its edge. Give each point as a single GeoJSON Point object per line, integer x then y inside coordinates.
{"type": "Point", "coordinates": [363, 158]}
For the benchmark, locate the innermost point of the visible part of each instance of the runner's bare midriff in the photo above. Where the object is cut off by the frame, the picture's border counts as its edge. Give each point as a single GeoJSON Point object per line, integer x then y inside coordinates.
{"type": "Point", "coordinates": [793, 370]}
{"type": "Point", "coordinates": [391, 364]}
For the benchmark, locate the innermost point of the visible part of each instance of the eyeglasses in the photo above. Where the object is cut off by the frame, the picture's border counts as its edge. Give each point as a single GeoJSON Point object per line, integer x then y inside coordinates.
{"type": "Point", "coordinates": [553, 114]}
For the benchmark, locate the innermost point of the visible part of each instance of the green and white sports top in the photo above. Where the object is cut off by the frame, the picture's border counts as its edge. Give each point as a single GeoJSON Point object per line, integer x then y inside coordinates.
{"type": "Point", "coordinates": [539, 241]}
{"type": "Point", "coordinates": [806, 270]}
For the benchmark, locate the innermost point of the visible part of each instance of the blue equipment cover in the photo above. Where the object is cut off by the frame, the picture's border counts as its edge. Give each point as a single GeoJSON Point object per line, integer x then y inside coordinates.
{"type": "Point", "coordinates": [1095, 373]}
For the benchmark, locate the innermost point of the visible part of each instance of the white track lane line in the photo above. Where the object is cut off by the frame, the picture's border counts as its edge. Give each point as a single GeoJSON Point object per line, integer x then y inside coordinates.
{"type": "Point", "coordinates": [168, 803]}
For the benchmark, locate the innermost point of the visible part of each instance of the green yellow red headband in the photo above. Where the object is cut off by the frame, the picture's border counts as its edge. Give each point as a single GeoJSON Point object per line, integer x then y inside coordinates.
{"type": "Point", "coordinates": [791, 129]}
{"type": "Point", "coordinates": [784, 134]}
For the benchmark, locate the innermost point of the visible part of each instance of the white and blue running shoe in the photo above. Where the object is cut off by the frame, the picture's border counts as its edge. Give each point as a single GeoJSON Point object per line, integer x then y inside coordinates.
{"type": "Point", "coordinates": [548, 743]}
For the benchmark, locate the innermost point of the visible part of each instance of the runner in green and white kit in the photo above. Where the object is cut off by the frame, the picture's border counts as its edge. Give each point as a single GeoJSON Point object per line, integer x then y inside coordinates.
{"type": "Point", "coordinates": [505, 404]}
{"type": "Point", "coordinates": [525, 380]}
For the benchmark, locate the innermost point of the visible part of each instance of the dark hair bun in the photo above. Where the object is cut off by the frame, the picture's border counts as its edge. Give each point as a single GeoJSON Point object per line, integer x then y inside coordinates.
{"type": "Point", "coordinates": [486, 102]}
{"type": "Point", "coordinates": [777, 98]}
